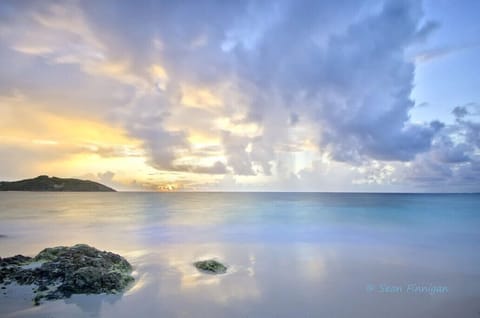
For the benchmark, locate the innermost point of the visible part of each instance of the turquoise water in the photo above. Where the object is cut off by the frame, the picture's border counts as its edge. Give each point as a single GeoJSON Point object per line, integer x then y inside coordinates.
{"type": "Point", "coordinates": [290, 254]}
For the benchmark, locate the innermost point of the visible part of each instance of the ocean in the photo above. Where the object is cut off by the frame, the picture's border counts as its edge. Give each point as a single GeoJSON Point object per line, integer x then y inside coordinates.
{"type": "Point", "coordinates": [289, 254]}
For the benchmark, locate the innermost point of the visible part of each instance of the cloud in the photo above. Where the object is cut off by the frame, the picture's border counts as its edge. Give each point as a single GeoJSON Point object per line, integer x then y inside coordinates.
{"type": "Point", "coordinates": [460, 111]}
{"type": "Point", "coordinates": [217, 168]}
{"type": "Point", "coordinates": [106, 177]}
{"type": "Point", "coordinates": [440, 52]}
{"type": "Point", "coordinates": [264, 90]}
{"type": "Point", "coordinates": [472, 132]}
{"type": "Point", "coordinates": [360, 103]}
{"type": "Point", "coordinates": [370, 84]}
{"type": "Point", "coordinates": [237, 156]}
{"type": "Point", "coordinates": [446, 151]}
{"type": "Point", "coordinates": [452, 162]}
{"type": "Point", "coordinates": [466, 110]}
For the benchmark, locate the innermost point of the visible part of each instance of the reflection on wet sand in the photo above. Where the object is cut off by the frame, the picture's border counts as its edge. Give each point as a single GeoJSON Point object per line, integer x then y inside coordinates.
{"type": "Point", "coordinates": [92, 305]}
{"type": "Point", "coordinates": [288, 256]}
{"type": "Point", "coordinates": [265, 281]}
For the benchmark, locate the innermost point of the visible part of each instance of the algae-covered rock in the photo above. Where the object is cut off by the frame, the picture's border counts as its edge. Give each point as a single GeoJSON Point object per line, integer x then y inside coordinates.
{"type": "Point", "coordinates": [59, 272]}
{"type": "Point", "coordinates": [211, 266]}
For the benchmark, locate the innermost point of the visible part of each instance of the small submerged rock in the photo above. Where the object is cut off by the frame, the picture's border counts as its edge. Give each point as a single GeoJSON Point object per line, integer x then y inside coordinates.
{"type": "Point", "coordinates": [211, 266]}
{"type": "Point", "coordinates": [59, 272]}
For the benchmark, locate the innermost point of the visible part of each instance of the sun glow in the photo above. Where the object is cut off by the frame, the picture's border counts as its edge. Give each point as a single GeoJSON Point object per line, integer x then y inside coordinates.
{"type": "Point", "coordinates": [199, 97]}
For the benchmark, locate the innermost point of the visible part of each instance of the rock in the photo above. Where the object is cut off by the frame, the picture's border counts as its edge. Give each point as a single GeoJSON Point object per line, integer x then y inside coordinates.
{"type": "Point", "coordinates": [211, 266]}
{"type": "Point", "coordinates": [14, 260]}
{"type": "Point", "coordinates": [36, 300]}
{"type": "Point", "coordinates": [61, 271]}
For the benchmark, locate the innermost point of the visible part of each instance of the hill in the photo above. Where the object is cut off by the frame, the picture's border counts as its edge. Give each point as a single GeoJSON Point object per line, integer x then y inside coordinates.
{"type": "Point", "coordinates": [46, 183]}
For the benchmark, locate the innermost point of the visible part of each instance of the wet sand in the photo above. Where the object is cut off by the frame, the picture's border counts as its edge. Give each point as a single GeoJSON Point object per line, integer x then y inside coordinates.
{"type": "Point", "coordinates": [277, 268]}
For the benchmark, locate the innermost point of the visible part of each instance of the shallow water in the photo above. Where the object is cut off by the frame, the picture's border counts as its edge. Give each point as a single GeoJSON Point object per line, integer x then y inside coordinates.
{"type": "Point", "coordinates": [289, 254]}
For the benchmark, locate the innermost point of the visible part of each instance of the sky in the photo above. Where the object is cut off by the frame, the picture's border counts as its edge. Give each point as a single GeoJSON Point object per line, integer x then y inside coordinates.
{"type": "Point", "coordinates": [286, 95]}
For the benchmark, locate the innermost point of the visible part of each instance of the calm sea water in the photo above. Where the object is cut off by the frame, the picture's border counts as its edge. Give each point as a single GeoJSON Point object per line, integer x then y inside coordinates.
{"type": "Point", "coordinates": [289, 254]}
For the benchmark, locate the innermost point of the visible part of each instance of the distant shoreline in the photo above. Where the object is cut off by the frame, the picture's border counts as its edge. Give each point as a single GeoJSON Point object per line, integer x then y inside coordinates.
{"type": "Point", "coordinates": [258, 192]}
{"type": "Point", "coordinates": [54, 184]}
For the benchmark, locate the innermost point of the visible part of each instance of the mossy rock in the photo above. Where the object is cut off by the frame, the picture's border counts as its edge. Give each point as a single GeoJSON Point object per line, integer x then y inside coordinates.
{"type": "Point", "coordinates": [211, 266]}
{"type": "Point", "coordinates": [61, 271]}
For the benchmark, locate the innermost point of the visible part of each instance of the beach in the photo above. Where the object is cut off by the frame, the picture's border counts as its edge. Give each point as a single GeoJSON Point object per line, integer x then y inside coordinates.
{"type": "Point", "coordinates": [288, 254]}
